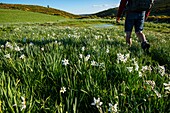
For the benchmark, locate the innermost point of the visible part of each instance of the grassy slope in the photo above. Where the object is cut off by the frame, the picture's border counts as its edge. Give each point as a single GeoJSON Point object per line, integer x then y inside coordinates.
{"type": "Point", "coordinates": [17, 16]}
{"type": "Point", "coordinates": [40, 9]}
{"type": "Point", "coordinates": [161, 7]}
{"type": "Point", "coordinates": [109, 12]}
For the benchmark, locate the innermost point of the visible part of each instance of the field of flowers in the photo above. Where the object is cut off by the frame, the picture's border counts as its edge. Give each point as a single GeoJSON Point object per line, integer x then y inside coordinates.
{"type": "Point", "coordinates": [61, 69]}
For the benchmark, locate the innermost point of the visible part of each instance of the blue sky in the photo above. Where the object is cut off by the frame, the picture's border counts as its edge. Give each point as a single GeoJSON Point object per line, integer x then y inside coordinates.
{"type": "Point", "coordinates": [72, 6]}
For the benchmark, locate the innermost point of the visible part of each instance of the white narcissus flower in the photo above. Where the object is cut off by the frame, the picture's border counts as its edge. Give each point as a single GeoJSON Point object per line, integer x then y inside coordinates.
{"type": "Point", "coordinates": [59, 43]}
{"type": "Point", "coordinates": [146, 68]}
{"type": "Point", "coordinates": [81, 56]}
{"type": "Point", "coordinates": [136, 66]}
{"type": "Point", "coordinates": [63, 90]}
{"type": "Point", "coordinates": [14, 105]}
{"type": "Point", "coordinates": [127, 55]}
{"type": "Point", "coordinates": [7, 56]}
{"type": "Point", "coordinates": [65, 62]}
{"type": "Point", "coordinates": [130, 69]}
{"type": "Point", "coordinates": [21, 48]}
{"type": "Point", "coordinates": [23, 106]}
{"type": "Point", "coordinates": [31, 44]}
{"type": "Point", "coordinates": [151, 83]}
{"type": "Point", "coordinates": [97, 102]}
{"type": "Point", "coordinates": [17, 48]}
{"type": "Point", "coordinates": [102, 64]}
{"type": "Point", "coordinates": [94, 63]}
{"type": "Point", "coordinates": [140, 74]}
{"type": "Point", "coordinates": [107, 50]}
{"type": "Point", "coordinates": [87, 57]}
{"type": "Point", "coordinates": [2, 46]}
{"type": "Point", "coordinates": [94, 47]}
{"type": "Point", "coordinates": [83, 48]}
{"type": "Point", "coordinates": [157, 93]}
{"type": "Point", "coordinates": [122, 58]}
{"type": "Point", "coordinates": [42, 49]}
{"type": "Point", "coordinates": [167, 87]}
{"type": "Point", "coordinates": [8, 45]}
{"type": "Point", "coordinates": [22, 56]}
{"type": "Point", "coordinates": [113, 109]}
{"type": "Point", "coordinates": [162, 70]}
{"type": "Point", "coordinates": [56, 42]}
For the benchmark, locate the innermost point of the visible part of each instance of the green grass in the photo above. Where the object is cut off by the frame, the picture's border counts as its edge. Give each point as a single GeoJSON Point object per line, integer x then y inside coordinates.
{"type": "Point", "coordinates": [33, 83]}
{"type": "Point", "coordinates": [38, 9]}
{"type": "Point", "coordinates": [17, 16]}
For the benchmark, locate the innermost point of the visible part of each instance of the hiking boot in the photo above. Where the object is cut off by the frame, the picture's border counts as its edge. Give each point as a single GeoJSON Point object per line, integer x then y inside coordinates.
{"type": "Point", "coordinates": [145, 45]}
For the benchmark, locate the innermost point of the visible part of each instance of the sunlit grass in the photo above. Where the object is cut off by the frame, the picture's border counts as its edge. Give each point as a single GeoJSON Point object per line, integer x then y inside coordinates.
{"type": "Point", "coordinates": [81, 69]}
{"type": "Point", "coordinates": [17, 16]}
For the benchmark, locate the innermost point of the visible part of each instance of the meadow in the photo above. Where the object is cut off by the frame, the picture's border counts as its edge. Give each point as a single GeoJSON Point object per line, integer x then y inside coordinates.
{"type": "Point", "coordinates": [75, 67]}
{"type": "Point", "coordinates": [9, 16]}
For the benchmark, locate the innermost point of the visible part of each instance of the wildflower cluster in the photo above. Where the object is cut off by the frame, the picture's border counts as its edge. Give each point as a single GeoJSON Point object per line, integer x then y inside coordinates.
{"type": "Point", "coordinates": [112, 108]}
{"type": "Point", "coordinates": [142, 71]}
{"type": "Point", "coordinates": [94, 63]}
{"type": "Point", "coordinates": [123, 58]}
{"type": "Point", "coordinates": [167, 88]}
{"type": "Point", "coordinates": [14, 47]}
{"type": "Point", "coordinates": [22, 105]}
{"type": "Point", "coordinates": [74, 64]}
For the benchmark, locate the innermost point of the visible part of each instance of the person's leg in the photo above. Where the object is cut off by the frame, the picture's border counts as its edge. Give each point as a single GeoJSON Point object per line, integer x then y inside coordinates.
{"type": "Point", "coordinates": [144, 44]}
{"type": "Point", "coordinates": [128, 38]}
{"type": "Point", "coordinates": [138, 30]}
{"type": "Point", "coordinates": [129, 22]}
{"type": "Point", "coordinates": [141, 36]}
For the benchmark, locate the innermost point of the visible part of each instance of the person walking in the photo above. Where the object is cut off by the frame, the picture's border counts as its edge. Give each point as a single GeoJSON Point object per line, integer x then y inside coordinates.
{"type": "Point", "coordinates": [135, 17]}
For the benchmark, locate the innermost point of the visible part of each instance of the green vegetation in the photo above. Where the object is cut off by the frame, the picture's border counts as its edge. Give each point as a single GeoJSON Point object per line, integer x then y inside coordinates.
{"type": "Point", "coordinates": [25, 17]}
{"type": "Point", "coordinates": [107, 13]}
{"type": "Point", "coordinates": [160, 12]}
{"type": "Point", "coordinates": [38, 9]}
{"type": "Point", "coordinates": [53, 64]}
{"type": "Point", "coordinates": [70, 66]}
{"type": "Point", "coordinates": [17, 16]}
{"type": "Point", "coordinates": [161, 7]}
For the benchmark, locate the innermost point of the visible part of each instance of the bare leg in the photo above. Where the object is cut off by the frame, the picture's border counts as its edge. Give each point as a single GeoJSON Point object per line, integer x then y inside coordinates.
{"type": "Point", "coordinates": [128, 38]}
{"type": "Point", "coordinates": [144, 44]}
{"type": "Point", "coordinates": [141, 36]}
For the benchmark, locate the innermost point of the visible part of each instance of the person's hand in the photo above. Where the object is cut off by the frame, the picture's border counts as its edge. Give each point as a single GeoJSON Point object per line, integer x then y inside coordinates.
{"type": "Point", "coordinates": [118, 20]}
{"type": "Point", "coordinates": [146, 17]}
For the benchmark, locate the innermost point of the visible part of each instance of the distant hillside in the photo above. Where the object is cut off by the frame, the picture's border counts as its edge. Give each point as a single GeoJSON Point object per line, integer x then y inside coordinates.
{"type": "Point", "coordinates": [19, 16]}
{"type": "Point", "coordinates": [107, 13]}
{"type": "Point", "coordinates": [39, 9]}
{"type": "Point", "coordinates": [161, 7]}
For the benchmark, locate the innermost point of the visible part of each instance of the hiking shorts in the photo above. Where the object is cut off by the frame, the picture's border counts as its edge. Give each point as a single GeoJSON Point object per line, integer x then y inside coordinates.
{"type": "Point", "coordinates": [135, 19]}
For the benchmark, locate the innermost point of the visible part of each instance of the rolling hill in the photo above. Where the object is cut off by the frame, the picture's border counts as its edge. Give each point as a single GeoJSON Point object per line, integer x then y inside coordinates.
{"type": "Point", "coordinates": [107, 13]}
{"type": "Point", "coordinates": [38, 9]}
{"type": "Point", "coordinates": [161, 7]}
{"type": "Point", "coordinates": [18, 16]}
